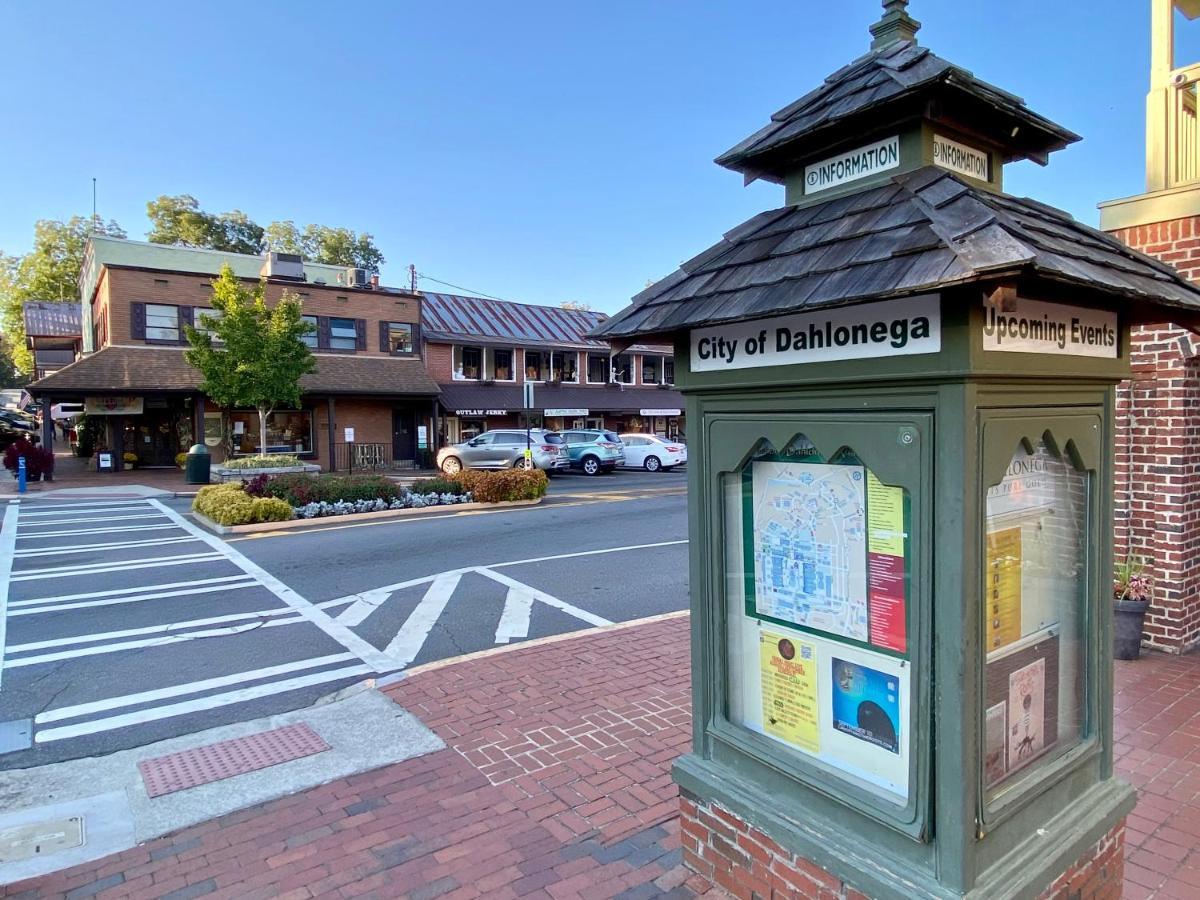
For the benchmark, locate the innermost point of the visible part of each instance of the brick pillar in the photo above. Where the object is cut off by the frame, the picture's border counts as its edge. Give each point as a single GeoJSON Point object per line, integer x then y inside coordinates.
{"type": "Point", "coordinates": [1157, 508]}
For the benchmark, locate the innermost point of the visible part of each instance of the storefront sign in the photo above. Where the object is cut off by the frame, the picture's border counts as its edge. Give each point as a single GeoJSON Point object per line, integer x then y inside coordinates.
{"type": "Point", "coordinates": [1051, 328]}
{"type": "Point", "coordinates": [349, 435]}
{"type": "Point", "coordinates": [422, 437]}
{"type": "Point", "coordinates": [481, 412]}
{"type": "Point", "coordinates": [566, 412]}
{"type": "Point", "coordinates": [104, 462]}
{"type": "Point", "coordinates": [852, 165]}
{"type": "Point", "coordinates": [660, 412]}
{"type": "Point", "coordinates": [960, 158]}
{"type": "Point", "coordinates": [895, 328]}
{"type": "Point", "coordinates": [112, 406]}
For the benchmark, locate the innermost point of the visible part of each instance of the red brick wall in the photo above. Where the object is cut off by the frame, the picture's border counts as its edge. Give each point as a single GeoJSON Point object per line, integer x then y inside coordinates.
{"type": "Point", "coordinates": [1157, 503]}
{"type": "Point", "coordinates": [734, 855]}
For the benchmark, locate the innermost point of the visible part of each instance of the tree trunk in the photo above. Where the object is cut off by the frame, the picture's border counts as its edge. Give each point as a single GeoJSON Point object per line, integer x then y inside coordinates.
{"type": "Point", "coordinates": [262, 431]}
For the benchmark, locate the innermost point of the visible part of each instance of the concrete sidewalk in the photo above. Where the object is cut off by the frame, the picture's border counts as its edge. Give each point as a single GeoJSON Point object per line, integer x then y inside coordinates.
{"type": "Point", "coordinates": [555, 782]}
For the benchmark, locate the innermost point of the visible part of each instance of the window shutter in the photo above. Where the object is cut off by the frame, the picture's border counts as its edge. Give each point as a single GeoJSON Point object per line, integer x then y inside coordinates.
{"type": "Point", "coordinates": [187, 316]}
{"type": "Point", "coordinates": [360, 334]}
{"type": "Point", "coordinates": [322, 332]}
{"type": "Point", "coordinates": [416, 338]}
{"type": "Point", "coordinates": [137, 322]}
{"type": "Point", "coordinates": [383, 338]}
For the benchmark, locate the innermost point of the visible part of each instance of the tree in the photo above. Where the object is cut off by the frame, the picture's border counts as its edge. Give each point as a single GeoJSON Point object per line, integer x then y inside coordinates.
{"type": "Point", "coordinates": [50, 271]}
{"type": "Point", "coordinates": [10, 377]}
{"type": "Point", "coordinates": [179, 220]}
{"type": "Point", "coordinates": [322, 244]}
{"type": "Point", "coordinates": [250, 355]}
{"type": "Point", "coordinates": [575, 306]}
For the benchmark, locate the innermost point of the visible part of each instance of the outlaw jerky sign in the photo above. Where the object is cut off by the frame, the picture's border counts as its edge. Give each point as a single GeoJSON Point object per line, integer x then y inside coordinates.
{"type": "Point", "coordinates": [960, 158]}
{"type": "Point", "coordinates": [852, 165]}
{"type": "Point", "coordinates": [895, 328]}
{"type": "Point", "coordinates": [1050, 328]}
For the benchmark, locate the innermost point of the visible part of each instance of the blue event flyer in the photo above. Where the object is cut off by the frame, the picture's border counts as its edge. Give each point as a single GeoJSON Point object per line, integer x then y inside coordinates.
{"type": "Point", "coordinates": [866, 704]}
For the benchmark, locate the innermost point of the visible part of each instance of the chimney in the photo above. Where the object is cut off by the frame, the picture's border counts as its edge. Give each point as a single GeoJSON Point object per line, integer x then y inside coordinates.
{"type": "Point", "coordinates": [375, 281]}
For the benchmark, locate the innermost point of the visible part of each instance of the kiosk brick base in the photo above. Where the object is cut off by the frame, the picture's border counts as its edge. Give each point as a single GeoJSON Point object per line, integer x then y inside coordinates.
{"type": "Point", "coordinates": [739, 858]}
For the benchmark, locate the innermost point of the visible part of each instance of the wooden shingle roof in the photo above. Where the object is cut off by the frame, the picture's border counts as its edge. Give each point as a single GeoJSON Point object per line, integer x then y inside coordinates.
{"type": "Point", "coordinates": [922, 231]}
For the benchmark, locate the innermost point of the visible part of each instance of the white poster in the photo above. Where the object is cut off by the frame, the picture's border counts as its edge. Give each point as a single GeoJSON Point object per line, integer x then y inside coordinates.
{"type": "Point", "coordinates": [868, 331]}
{"type": "Point", "coordinates": [1052, 328]}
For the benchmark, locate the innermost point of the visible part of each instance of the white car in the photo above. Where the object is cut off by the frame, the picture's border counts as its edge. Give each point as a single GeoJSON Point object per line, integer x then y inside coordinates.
{"type": "Point", "coordinates": [653, 453]}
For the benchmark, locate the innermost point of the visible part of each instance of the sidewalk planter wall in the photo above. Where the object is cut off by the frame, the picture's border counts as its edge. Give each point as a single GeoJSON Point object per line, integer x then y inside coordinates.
{"type": "Point", "coordinates": [223, 473]}
{"type": "Point", "coordinates": [1128, 617]}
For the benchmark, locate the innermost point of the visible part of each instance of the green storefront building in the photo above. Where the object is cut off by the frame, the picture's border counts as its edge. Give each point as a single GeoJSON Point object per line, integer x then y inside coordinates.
{"type": "Point", "coordinates": [900, 394]}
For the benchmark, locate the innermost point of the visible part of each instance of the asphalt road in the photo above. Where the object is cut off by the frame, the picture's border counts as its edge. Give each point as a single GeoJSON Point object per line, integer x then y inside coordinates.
{"type": "Point", "coordinates": [127, 624]}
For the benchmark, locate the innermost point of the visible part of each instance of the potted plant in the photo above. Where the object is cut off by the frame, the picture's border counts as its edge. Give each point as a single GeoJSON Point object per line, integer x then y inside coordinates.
{"type": "Point", "coordinates": [130, 459]}
{"type": "Point", "coordinates": [1131, 597]}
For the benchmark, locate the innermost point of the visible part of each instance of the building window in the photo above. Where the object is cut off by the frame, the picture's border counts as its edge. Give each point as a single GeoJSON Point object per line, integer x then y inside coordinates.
{"type": "Point", "coordinates": [162, 322]}
{"type": "Point", "coordinates": [468, 363]}
{"type": "Point", "coordinates": [200, 314]}
{"type": "Point", "coordinates": [622, 371]}
{"type": "Point", "coordinates": [669, 370]}
{"type": "Point", "coordinates": [597, 368]}
{"type": "Point", "coordinates": [565, 366]}
{"type": "Point", "coordinates": [342, 334]}
{"type": "Point", "coordinates": [651, 369]}
{"type": "Point", "coordinates": [310, 339]}
{"type": "Point", "coordinates": [537, 365]}
{"type": "Point", "coordinates": [400, 337]}
{"type": "Point", "coordinates": [288, 431]}
{"type": "Point", "coordinates": [502, 365]}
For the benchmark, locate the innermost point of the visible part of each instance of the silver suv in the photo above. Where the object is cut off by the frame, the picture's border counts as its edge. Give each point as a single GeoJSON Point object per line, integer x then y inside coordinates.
{"type": "Point", "coordinates": [505, 448]}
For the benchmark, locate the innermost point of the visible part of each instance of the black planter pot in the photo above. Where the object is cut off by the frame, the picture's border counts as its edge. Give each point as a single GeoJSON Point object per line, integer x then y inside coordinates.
{"type": "Point", "coordinates": [1127, 628]}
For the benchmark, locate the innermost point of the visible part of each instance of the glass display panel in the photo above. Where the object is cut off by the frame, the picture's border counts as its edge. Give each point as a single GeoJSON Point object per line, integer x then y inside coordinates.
{"type": "Point", "coordinates": [818, 568]}
{"type": "Point", "coordinates": [1035, 589]}
{"type": "Point", "coordinates": [597, 368]}
{"type": "Point", "coordinates": [288, 431]}
{"type": "Point", "coordinates": [622, 368]}
{"type": "Point", "coordinates": [566, 366]}
{"type": "Point", "coordinates": [502, 365]}
{"type": "Point", "coordinates": [537, 365]}
{"type": "Point", "coordinates": [162, 322]}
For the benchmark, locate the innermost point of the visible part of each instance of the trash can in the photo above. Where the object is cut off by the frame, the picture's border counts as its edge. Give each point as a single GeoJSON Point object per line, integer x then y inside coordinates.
{"type": "Point", "coordinates": [198, 462]}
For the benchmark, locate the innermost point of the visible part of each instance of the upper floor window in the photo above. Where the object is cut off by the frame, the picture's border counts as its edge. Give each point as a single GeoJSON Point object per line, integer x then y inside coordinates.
{"type": "Point", "coordinates": [669, 370]}
{"type": "Point", "coordinates": [342, 334]}
{"type": "Point", "coordinates": [468, 363]}
{"type": "Point", "coordinates": [310, 339]}
{"type": "Point", "coordinates": [502, 365]}
{"type": "Point", "coordinates": [162, 322]}
{"type": "Point", "coordinates": [537, 365]}
{"type": "Point", "coordinates": [622, 368]}
{"type": "Point", "coordinates": [651, 369]}
{"type": "Point", "coordinates": [565, 366]}
{"type": "Point", "coordinates": [400, 337]}
{"type": "Point", "coordinates": [597, 368]}
{"type": "Point", "coordinates": [211, 314]}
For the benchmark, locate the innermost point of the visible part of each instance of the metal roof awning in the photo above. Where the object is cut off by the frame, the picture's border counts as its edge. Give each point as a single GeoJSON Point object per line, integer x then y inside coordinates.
{"type": "Point", "coordinates": [480, 399]}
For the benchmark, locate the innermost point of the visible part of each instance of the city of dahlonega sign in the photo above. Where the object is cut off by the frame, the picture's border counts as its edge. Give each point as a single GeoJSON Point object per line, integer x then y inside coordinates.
{"type": "Point", "coordinates": [854, 332]}
{"type": "Point", "coordinates": [852, 165]}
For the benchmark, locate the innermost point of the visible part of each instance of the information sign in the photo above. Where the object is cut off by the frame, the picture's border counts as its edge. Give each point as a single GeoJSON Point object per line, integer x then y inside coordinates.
{"type": "Point", "coordinates": [422, 437]}
{"type": "Point", "coordinates": [349, 435]}
{"type": "Point", "coordinates": [960, 158]}
{"type": "Point", "coordinates": [852, 165]}
{"type": "Point", "coordinates": [1051, 328]}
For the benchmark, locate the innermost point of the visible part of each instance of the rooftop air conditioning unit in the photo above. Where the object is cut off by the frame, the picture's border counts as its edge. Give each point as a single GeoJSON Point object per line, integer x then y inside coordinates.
{"type": "Point", "coordinates": [283, 265]}
{"type": "Point", "coordinates": [356, 277]}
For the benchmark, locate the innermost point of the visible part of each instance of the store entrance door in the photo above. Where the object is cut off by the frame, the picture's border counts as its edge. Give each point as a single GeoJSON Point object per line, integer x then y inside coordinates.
{"type": "Point", "coordinates": [404, 445]}
{"type": "Point", "coordinates": [152, 437]}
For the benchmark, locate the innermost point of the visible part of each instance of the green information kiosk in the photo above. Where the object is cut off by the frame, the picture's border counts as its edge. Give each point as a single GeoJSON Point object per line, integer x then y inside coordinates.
{"type": "Point", "coordinates": [900, 403]}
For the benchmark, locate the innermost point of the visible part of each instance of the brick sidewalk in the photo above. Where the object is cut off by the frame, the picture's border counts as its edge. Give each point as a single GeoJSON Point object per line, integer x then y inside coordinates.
{"type": "Point", "coordinates": [556, 784]}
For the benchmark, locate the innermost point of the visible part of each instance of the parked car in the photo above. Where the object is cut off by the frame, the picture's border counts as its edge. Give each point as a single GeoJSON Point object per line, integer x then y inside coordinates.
{"type": "Point", "coordinates": [653, 453]}
{"type": "Point", "coordinates": [10, 435]}
{"type": "Point", "coordinates": [503, 449]}
{"type": "Point", "coordinates": [594, 451]}
{"type": "Point", "coordinates": [17, 419]}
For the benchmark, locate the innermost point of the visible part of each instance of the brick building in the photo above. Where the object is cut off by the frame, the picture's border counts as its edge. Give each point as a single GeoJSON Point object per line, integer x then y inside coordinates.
{"type": "Point", "coordinates": [481, 352]}
{"type": "Point", "coordinates": [137, 297]}
{"type": "Point", "coordinates": [1158, 436]}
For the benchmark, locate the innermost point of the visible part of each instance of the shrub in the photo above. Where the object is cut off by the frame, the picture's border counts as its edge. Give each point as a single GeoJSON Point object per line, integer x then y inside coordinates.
{"type": "Point", "coordinates": [270, 509]}
{"type": "Point", "coordinates": [38, 460]}
{"type": "Point", "coordinates": [257, 486]}
{"type": "Point", "coordinates": [273, 461]}
{"type": "Point", "coordinates": [181, 458]}
{"type": "Point", "coordinates": [436, 486]}
{"type": "Point", "coordinates": [301, 489]}
{"type": "Point", "coordinates": [503, 485]}
{"type": "Point", "coordinates": [320, 509]}
{"type": "Point", "coordinates": [228, 504]}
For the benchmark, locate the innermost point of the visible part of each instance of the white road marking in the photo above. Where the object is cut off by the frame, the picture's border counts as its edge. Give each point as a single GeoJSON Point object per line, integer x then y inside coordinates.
{"type": "Point", "coordinates": [39, 505]}
{"type": "Point", "coordinates": [514, 621]}
{"type": "Point", "coordinates": [233, 584]}
{"type": "Point", "coordinates": [538, 559]}
{"type": "Point", "coordinates": [89, 548]}
{"type": "Point", "coordinates": [76, 519]}
{"type": "Point", "coordinates": [409, 640]}
{"type": "Point", "coordinates": [72, 510]}
{"type": "Point", "coordinates": [193, 687]}
{"type": "Point", "coordinates": [339, 632]}
{"type": "Point", "coordinates": [590, 618]}
{"type": "Point", "coordinates": [8, 543]}
{"type": "Point", "coordinates": [147, 642]}
{"type": "Point", "coordinates": [101, 568]}
{"type": "Point", "coordinates": [112, 592]}
{"type": "Point", "coordinates": [75, 531]}
{"type": "Point", "coordinates": [200, 704]}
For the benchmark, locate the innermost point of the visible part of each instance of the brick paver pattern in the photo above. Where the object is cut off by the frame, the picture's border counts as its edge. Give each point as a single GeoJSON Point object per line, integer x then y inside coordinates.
{"type": "Point", "coordinates": [555, 783]}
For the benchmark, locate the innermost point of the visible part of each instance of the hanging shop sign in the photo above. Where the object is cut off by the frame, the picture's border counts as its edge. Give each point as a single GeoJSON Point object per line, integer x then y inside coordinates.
{"type": "Point", "coordinates": [481, 412]}
{"type": "Point", "coordinates": [660, 412]}
{"type": "Point", "coordinates": [1051, 328]}
{"type": "Point", "coordinates": [112, 406]}
{"type": "Point", "coordinates": [567, 412]}
{"type": "Point", "coordinates": [852, 165]}
{"type": "Point", "coordinates": [868, 331]}
{"type": "Point", "coordinates": [960, 158]}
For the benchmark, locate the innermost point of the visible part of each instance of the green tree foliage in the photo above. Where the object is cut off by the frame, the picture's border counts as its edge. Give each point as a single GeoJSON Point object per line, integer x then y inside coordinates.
{"type": "Point", "coordinates": [575, 306]}
{"type": "Point", "coordinates": [322, 244]}
{"type": "Point", "coordinates": [10, 376]}
{"type": "Point", "coordinates": [50, 271]}
{"type": "Point", "coordinates": [180, 221]}
{"type": "Point", "coordinates": [258, 355]}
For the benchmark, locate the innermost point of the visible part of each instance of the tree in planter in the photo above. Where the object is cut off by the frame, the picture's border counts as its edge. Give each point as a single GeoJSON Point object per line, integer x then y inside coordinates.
{"type": "Point", "coordinates": [250, 355]}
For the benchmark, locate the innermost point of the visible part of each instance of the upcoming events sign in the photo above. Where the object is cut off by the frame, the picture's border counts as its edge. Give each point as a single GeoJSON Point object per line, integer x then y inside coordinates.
{"type": "Point", "coordinates": [1035, 327]}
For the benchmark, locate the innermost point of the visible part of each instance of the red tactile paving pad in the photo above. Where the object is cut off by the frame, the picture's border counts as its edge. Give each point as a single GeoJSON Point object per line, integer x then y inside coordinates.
{"type": "Point", "coordinates": [224, 759]}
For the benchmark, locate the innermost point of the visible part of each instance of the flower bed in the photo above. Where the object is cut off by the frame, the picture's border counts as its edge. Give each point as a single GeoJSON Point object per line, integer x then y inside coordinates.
{"type": "Point", "coordinates": [270, 461]}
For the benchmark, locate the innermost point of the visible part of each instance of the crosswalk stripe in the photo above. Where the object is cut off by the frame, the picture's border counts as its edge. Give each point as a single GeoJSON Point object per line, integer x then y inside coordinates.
{"type": "Point", "coordinates": [76, 531]}
{"type": "Point", "coordinates": [213, 701]}
{"type": "Point", "coordinates": [90, 548]}
{"type": "Point", "coordinates": [100, 569]}
{"type": "Point", "coordinates": [411, 637]}
{"type": "Point", "coordinates": [59, 510]}
{"type": "Point", "coordinates": [8, 543]}
{"type": "Point", "coordinates": [112, 592]}
{"type": "Point", "coordinates": [72, 521]}
{"type": "Point", "coordinates": [232, 584]}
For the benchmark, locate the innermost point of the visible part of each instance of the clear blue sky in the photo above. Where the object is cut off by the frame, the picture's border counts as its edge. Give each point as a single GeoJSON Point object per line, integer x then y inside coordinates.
{"type": "Point", "coordinates": [539, 151]}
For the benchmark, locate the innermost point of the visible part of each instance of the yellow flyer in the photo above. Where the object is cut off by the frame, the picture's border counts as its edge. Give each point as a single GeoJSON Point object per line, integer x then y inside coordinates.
{"type": "Point", "coordinates": [1003, 588]}
{"type": "Point", "coordinates": [885, 508]}
{"type": "Point", "coordinates": [789, 690]}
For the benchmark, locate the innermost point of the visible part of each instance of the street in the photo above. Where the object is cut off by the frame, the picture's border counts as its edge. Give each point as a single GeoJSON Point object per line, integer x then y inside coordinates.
{"type": "Point", "coordinates": [125, 623]}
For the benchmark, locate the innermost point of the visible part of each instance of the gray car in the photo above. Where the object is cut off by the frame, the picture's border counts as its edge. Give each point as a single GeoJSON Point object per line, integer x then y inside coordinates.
{"type": "Point", "coordinates": [503, 449]}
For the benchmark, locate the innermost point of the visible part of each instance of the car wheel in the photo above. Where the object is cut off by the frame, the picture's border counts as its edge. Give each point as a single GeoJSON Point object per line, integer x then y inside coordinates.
{"type": "Point", "coordinates": [652, 464]}
{"type": "Point", "coordinates": [522, 463]}
{"type": "Point", "coordinates": [591, 465]}
{"type": "Point", "coordinates": [451, 465]}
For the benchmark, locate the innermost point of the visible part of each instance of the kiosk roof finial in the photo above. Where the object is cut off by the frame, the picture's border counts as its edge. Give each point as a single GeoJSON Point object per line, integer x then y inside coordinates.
{"type": "Point", "coordinates": [894, 25]}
